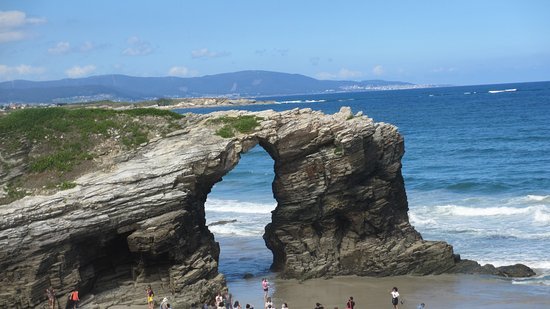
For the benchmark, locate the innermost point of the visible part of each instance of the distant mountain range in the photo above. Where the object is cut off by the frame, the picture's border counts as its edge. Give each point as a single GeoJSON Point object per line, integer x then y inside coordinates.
{"type": "Point", "coordinates": [128, 88]}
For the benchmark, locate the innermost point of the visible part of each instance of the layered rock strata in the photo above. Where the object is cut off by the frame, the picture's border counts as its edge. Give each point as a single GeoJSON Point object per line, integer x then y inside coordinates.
{"type": "Point", "coordinates": [342, 209]}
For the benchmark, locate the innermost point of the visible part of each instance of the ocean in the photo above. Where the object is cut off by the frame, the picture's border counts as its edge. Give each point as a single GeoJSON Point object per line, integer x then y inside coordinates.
{"type": "Point", "coordinates": [476, 170]}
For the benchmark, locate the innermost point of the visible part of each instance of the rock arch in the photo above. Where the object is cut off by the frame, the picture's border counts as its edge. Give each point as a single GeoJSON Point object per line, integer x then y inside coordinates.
{"type": "Point", "coordinates": [341, 209]}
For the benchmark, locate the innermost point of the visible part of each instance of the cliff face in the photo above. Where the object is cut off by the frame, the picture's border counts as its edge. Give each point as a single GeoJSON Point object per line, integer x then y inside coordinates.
{"type": "Point", "coordinates": [342, 209]}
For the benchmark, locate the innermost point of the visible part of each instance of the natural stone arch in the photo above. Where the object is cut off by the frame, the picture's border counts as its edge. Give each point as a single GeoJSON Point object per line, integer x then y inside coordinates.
{"type": "Point", "coordinates": [341, 209]}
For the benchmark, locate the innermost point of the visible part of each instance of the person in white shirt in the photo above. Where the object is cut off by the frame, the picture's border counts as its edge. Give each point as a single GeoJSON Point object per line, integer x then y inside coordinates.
{"type": "Point", "coordinates": [394, 298]}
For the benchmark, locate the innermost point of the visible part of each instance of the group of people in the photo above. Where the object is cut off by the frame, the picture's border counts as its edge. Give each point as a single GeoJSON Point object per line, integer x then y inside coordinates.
{"type": "Point", "coordinates": [394, 301]}
{"type": "Point", "coordinates": [222, 300]}
{"type": "Point", "coordinates": [72, 299]}
{"type": "Point", "coordinates": [164, 304]}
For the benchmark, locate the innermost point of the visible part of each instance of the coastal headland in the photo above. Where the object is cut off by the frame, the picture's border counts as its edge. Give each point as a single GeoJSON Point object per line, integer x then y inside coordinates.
{"type": "Point", "coordinates": [124, 207]}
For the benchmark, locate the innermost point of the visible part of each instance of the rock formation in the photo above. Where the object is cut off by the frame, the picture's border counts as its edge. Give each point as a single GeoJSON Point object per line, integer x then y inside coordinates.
{"type": "Point", "coordinates": [342, 209]}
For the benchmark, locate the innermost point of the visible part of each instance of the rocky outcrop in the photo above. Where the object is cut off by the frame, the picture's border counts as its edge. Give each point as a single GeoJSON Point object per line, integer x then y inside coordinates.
{"type": "Point", "coordinates": [473, 267]}
{"type": "Point", "coordinates": [342, 209]}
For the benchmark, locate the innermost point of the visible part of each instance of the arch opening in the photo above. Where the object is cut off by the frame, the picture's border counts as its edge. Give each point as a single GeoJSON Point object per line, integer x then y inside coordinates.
{"type": "Point", "coordinates": [237, 209]}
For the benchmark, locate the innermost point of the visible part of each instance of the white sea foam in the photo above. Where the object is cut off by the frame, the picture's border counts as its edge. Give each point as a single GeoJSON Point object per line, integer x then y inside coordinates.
{"type": "Point", "coordinates": [417, 221]}
{"type": "Point", "coordinates": [235, 230]}
{"type": "Point", "coordinates": [456, 210]}
{"type": "Point", "coordinates": [543, 266]}
{"type": "Point", "coordinates": [215, 205]}
{"type": "Point", "coordinates": [533, 281]}
{"type": "Point", "coordinates": [288, 102]}
{"type": "Point", "coordinates": [541, 216]}
{"type": "Point", "coordinates": [538, 198]}
{"type": "Point", "coordinates": [299, 101]}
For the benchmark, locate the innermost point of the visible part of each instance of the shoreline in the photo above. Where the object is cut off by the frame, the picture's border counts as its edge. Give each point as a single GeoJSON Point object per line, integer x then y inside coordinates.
{"type": "Point", "coordinates": [436, 291]}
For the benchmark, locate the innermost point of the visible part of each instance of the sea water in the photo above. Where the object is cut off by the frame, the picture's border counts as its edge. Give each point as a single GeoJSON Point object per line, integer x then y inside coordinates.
{"type": "Point", "coordinates": [476, 170]}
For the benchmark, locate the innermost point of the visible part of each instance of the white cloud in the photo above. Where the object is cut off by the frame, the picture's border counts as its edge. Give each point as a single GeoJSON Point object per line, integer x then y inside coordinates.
{"type": "Point", "coordinates": [282, 52]}
{"type": "Point", "coordinates": [12, 72]}
{"type": "Point", "coordinates": [378, 70]}
{"type": "Point", "coordinates": [137, 47]}
{"type": "Point", "coordinates": [205, 53]}
{"type": "Point", "coordinates": [87, 46]}
{"type": "Point", "coordinates": [60, 48]}
{"type": "Point", "coordinates": [79, 71]}
{"type": "Point", "coordinates": [342, 74]}
{"type": "Point", "coordinates": [181, 71]}
{"type": "Point", "coordinates": [443, 70]}
{"type": "Point", "coordinates": [12, 23]}
{"type": "Point", "coordinates": [11, 36]}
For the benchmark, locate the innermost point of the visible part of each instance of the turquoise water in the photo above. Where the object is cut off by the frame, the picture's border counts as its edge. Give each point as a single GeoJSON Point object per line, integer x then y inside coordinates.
{"type": "Point", "coordinates": [476, 169]}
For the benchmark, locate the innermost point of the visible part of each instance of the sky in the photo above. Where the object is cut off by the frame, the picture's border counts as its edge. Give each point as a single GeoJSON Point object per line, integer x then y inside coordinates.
{"type": "Point", "coordinates": [425, 42]}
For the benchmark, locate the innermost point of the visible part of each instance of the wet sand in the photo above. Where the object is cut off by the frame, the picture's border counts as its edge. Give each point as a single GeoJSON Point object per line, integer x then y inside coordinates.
{"type": "Point", "coordinates": [444, 291]}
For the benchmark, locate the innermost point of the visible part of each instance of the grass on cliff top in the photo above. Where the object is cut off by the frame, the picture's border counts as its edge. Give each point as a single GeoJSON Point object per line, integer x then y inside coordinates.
{"type": "Point", "coordinates": [242, 124]}
{"type": "Point", "coordinates": [58, 140]}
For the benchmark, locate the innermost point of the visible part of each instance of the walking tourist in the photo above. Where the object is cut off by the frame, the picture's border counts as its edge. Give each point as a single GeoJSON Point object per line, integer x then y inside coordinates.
{"type": "Point", "coordinates": [394, 298]}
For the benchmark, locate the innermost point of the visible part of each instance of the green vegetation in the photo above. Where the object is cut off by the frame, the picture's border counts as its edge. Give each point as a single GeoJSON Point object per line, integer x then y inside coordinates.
{"type": "Point", "coordinates": [118, 104]}
{"type": "Point", "coordinates": [65, 137]}
{"type": "Point", "coordinates": [338, 150]}
{"type": "Point", "coordinates": [65, 185]}
{"type": "Point", "coordinates": [63, 159]}
{"type": "Point", "coordinates": [242, 124]}
{"type": "Point", "coordinates": [14, 192]}
{"type": "Point", "coordinates": [55, 145]}
{"type": "Point", "coordinates": [151, 112]}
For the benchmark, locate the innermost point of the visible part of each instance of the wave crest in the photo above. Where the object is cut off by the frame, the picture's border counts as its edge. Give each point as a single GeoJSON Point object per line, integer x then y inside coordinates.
{"type": "Point", "coordinates": [234, 206]}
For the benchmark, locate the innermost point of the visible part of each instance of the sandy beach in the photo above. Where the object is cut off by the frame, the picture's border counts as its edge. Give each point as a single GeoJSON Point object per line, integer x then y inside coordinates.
{"type": "Point", "coordinates": [443, 291]}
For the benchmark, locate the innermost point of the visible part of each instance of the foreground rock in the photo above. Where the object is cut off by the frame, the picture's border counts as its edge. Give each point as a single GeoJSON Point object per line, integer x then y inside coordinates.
{"type": "Point", "coordinates": [342, 209]}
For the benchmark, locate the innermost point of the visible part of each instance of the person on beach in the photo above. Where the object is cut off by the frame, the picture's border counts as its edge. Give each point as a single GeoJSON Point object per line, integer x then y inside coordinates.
{"type": "Point", "coordinates": [219, 298]}
{"type": "Point", "coordinates": [74, 298]}
{"type": "Point", "coordinates": [164, 303]}
{"type": "Point", "coordinates": [249, 306]}
{"type": "Point", "coordinates": [284, 306]}
{"type": "Point", "coordinates": [394, 298]}
{"type": "Point", "coordinates": [236, 305]}
{"type": "Point", "coordinates": [268, 303]}
{"type": "Point", "coordinates": [319, 306]}
{"type": "Point", "coordinates": [50, 292]}
{"type": "Point", "coordinates": [265, 287]}
{"type": "Point", "coordinates": [150, 297]}
{"type": "Point", "coordinates": [421, 306]}
{"type": "Point", "coordinates": [351, 303]}
{"type": "Point", "coordinates": [227, 299]}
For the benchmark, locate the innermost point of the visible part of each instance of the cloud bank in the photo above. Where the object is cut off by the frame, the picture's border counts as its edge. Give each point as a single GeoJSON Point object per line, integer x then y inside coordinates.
{"type": "Point", "coordinates": [342, 74]}
{"type": "Point", "coordinates": [11, 72]}
{"type": "Point", "coordinates": [12, 25]}
{"type": "Point", "coordinates": [181, 71]}
{"type": "Point", "coordinates": [205, 53]}
{"type": "Point", "coordinates": [378, 70]}
{"type": "Point", "coordinates": [137, 47]}
{"type": "Point", "coordinates": [79, 71]}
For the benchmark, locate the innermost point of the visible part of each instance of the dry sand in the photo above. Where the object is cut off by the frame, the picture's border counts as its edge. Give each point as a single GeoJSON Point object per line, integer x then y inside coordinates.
{"type": "Point", "coordinates": [444, 291]}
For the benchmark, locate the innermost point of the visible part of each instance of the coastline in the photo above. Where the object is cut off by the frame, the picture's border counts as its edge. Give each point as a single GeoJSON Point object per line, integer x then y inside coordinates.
{"type": "Point", "coordinates": [439, 291]}
{"type": "Point", "coordinates": [436, 291]}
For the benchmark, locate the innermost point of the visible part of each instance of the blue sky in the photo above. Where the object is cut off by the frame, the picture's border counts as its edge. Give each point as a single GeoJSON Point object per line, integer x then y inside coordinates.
{"type": "Point", "coordinates": [426, 42]}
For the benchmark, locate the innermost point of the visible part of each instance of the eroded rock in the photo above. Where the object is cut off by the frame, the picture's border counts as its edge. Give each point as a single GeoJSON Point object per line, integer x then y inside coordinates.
{"type": "Point", "coordinates": [342, 209]}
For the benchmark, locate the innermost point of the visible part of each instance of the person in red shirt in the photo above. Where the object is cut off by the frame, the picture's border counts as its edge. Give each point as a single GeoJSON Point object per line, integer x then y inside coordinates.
{"type": "Point", "coordinates": [74, 298]}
